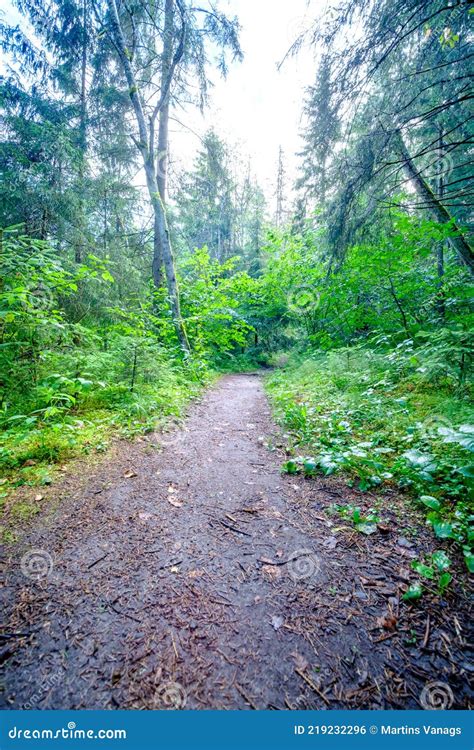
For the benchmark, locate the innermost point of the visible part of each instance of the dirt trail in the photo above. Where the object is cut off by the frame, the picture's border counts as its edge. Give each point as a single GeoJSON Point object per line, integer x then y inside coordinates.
{"type": "Point", "coordinates": [207, 580]}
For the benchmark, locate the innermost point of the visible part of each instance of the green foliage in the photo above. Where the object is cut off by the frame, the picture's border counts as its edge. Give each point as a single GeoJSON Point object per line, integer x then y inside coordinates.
{"type": "Point", "coordinates": [389, 286]}
{"type": "Point", "coordinates": [435, 570]}
{"type": "Point", "coordinates": [215, 299]}
{"type": "Point", "coordinates": [368, 411]}
{"type": "Point", "coordinates": [365, 524]}
{"type": "Point", "coordinates": [66, 385]}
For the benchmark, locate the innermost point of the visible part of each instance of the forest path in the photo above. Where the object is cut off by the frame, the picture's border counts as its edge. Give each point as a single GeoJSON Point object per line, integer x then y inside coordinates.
{"type": "Point", "coordinates": [186, 571]}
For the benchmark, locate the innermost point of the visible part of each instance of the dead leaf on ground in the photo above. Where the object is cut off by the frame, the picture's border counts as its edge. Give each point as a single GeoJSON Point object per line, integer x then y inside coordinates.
{"type": "Point", "coordinates": [129, 474]}
{"type": "Point", "coordinates": [300, 661]}
{"type": "Point", "coordinates": [388, 621]}
{"type": "Point", "coordinates": [195, 573]}
{"type": "Point", "coordinates": [271, 572]}
{"type": "Point", "coordinates": [277, 622]}
{"type": "Point", "coordinates": [175, 502]}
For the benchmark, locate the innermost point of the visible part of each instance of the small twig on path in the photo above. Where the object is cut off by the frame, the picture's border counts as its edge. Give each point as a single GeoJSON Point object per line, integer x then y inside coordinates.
{"type": "Point", "coordinates": [314, 687]}
{"type": "Point", "coordinates": [245, 696]}
{"type": "Point", "coordinates": [224, 656]}
{"type": "Point", "coordinates": [7, 636]}
{"type": "Point", "coordinates": [384, 637]}
{"type": "Point", "coordinates": [174, 645]}
{"type": "Point", "coordinates": [293, 557]}
{"type": "Point", "coordinates": [99, 559]}
{"type": "Point", "coordinates": [427, 633]}
{"type": "Point", "coordinates": [123, 614]}
{"type": "Point", "coordinates": [264, 561]}
{"type": "Point", "coordinates": [233, 528]}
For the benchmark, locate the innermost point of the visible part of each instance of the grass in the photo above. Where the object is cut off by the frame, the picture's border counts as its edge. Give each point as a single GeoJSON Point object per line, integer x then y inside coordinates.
{"type": "Point", "coordinates": [33, 449]}
{"type": "Point", "coordinates": [382, 418]}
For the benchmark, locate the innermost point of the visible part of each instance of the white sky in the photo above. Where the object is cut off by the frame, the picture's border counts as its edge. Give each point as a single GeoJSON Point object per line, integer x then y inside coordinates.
{"type": "Point", "coordinates": [256, 108]}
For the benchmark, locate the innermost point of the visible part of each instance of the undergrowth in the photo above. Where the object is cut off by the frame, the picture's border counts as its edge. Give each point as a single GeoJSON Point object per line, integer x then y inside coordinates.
{"type": "Point", "coordinates": [385, 415]}
{"type": "Point", "coordinates": [66, 416]}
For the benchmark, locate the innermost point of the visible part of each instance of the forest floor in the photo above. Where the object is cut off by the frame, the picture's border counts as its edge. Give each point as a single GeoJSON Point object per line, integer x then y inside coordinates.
{"type": "Point", "coordinates": [184, 571]}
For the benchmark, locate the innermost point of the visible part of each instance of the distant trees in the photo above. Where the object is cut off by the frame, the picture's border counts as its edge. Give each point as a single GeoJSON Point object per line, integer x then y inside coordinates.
{"type": "Point", "coordinates": [320, 134]}
{"type": "Point", "coordinates": [218, 206]}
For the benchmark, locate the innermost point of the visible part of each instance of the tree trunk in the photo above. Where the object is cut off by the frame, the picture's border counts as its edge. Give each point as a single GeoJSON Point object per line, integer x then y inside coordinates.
{"type": "Point", "coordinates": [146, 146]}
{"type": "Point", "coordinates": [399, 305]}
{"type": "Point", "coordinates": [79, 244]}
{"type": "Point", "coordinates": [440, 299]}
{"type": "Point", "coordinates": [163, 137]}
{"type": "Point", "coordinates": [438, 210]}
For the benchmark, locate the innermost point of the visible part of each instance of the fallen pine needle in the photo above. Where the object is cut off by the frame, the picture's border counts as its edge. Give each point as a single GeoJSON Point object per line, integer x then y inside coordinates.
{"type": "Point", "coordinates": [314, 687]}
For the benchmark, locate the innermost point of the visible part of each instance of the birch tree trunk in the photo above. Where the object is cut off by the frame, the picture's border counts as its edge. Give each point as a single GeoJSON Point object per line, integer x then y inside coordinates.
{"type": "Point", "coordinates": [163, 139]}
{"type": "Point", "coordinates": [81, 229]}
{"type": "Point", "coordinates": [146, 146]}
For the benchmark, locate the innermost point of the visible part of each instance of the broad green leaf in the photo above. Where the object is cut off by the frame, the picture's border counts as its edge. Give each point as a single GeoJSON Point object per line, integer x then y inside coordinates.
{"type": "Point", "coordinates": [424, 570]}
{"type": "Point", "coordinates": [443, 530]}
{"type": "Point", "coordinates": [430, 502]}
{"type": "Point", "coordinates": [441, 560]}
{"type": "Point", "coordinates": [469, 560]}
{"type": "Point", "coordinates": [413, 593]}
